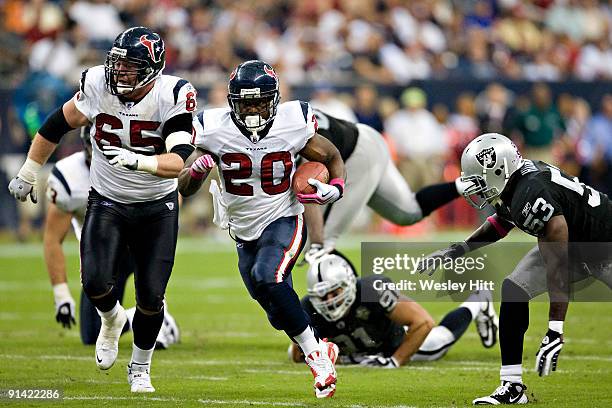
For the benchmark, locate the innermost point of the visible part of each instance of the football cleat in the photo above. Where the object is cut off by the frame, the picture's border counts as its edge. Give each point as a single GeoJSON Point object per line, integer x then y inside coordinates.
{"type": "Point", "coordinates": [507, 393]}
{"type": "Point", "coordinates": [321, 363]}
{"type": "Point", "coordinates": [107, 344]}
{"type": "Point", "coordinates": [139, 378]}
{"type": "Point", "coordinates": [168, 334]}
{"type": "Point", "coordinates": [487, 322]}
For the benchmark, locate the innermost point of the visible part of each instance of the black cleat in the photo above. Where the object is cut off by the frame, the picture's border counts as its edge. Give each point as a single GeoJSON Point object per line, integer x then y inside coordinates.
{"type": "Point", "coordinates": [506, 393]}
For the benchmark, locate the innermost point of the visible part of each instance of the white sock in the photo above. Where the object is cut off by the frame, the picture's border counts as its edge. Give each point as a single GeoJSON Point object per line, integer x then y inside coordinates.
{"type": "Point", "coordinates": [111, 313]}
{"type": "Point", "coordinates": [474, 304]}
{"type": "Point", "coordinates": [307, 341]}
{"type": "Point", "coordinates": [140, 356]}
{"type": "Point", "coordinates": [512, 373]}
{"type": "Point", "coordinates": [130, 315]}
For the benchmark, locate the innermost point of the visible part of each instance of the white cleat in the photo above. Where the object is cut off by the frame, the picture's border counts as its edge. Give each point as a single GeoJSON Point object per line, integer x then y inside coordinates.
{"type": "Point", "coordinates": [107, 344]}
{"type": "Point", "coordinates": [139, 377]}
{"type": "Point", "coordinates": [169, 333]}
{"type": "Point", "coordinates": [486, 321]}
{"type": "Point", "coordinates": [321, 363]}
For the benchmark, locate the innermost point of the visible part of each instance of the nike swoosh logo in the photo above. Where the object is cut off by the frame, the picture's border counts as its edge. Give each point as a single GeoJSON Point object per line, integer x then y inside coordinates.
{"type": "Point", "coordinates": [513, 400]}
{"type": "Point", "coordinates": [98, 359]}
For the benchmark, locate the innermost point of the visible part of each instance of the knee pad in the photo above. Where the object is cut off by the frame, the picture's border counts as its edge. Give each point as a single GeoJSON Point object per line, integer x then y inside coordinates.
{"type": "Point", "coordinates": [96, 288]}
{"type": "Point", "coordinates": [150, 304]}
{"type": "Point", "coordinates": [511, 292]}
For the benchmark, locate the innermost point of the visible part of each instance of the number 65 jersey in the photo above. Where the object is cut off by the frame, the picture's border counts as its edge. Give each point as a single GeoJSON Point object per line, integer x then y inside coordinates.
{"type": "Point", "coordinates": [538, 191]}
{"type": "Point", "coordinates": [256, 177]}
{"type": "Point", "coordinates": [141, 127]}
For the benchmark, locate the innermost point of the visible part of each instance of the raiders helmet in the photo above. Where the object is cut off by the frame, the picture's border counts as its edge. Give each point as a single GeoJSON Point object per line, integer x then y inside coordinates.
{"type": "Point", "coordinates": [486, 164]}
{"type": "Point", "coordinates": [331, 274]}
{"type": "Point", "coordinates": [137, 57]}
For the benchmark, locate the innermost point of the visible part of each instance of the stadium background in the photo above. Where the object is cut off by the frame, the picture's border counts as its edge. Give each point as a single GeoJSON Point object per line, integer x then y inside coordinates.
{"type": "Point", "coordinates": [430, 75]}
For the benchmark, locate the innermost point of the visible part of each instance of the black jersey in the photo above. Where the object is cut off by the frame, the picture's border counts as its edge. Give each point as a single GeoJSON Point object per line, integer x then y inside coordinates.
{"type": "Point", "coordinates": [366, 328]}
{"type": "Point", "coordinates": [539, 191]}
{"type": "Point", "coordinates": [341, 133]}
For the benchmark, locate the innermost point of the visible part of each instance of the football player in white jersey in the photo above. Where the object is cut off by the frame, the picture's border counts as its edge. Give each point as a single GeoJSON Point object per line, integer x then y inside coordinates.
{"type": "Point", "coordinates": [67, 190]}
{"type": "Point", "coordinates": [141, 129]}
{"type": "Point", "coordinates": [255, 143]}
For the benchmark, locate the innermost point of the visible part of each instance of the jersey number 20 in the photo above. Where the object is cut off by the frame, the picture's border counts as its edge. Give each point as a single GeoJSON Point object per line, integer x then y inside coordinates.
{"type": "Point", "coordinates": [245, 169]}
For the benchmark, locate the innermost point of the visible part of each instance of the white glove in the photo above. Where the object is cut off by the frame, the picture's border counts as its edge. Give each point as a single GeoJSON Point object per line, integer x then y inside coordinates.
{"type": "Point", "coordinates": [64, 305]}
{"type": "Point", "coordinates": [315, 252]}
{"type": "Point", "coordinates": [326, 193]}
{"type": "Point", "coordinates": [548, 354]}
{"type": "Point", "coordinates": [120, 157]}
{"type": "Point", "coordinates": [20, 189]}
{"type": "Point", "coordinates": [201, 167]}
{"type": "Point", "coordinates": [379, 362]}
{"type": "Point", "coordinates": [430, 264]}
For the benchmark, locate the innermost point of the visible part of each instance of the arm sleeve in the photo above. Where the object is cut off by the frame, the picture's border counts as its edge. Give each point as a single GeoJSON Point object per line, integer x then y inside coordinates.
{"type": "Point", "coordinates": [383, 300]}
{"type": "Point", "coordinates": [311, 124]}
{"type": "Point", "coordinates": [87, 95]}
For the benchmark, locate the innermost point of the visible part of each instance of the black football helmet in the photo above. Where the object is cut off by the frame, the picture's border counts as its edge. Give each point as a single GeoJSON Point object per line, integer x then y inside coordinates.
{"type": "Point", "coordinates": [137, 57]}
{"type": "Point", "coordinates": [253, 95]}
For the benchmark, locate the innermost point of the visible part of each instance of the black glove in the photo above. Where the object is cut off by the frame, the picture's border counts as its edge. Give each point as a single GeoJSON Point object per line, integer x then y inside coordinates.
{"type": "Point", "coordinates": [548, 354]}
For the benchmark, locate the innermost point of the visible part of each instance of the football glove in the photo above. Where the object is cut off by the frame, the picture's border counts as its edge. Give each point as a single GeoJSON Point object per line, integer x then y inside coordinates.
{"type": "Point", "coordinates": [21, 189]}
{"type": "Point", "coordinates": [201, 167]}
{"type": "Point", "coordinates": [379, 362]}
{"type": "Point", "coordinates": [429, 263]}
{"type": "Point", "coordinates": [548, 354]}
{"type": "Point", "coordinates": [120, 157]}
{"type": "Point", "coordinates": [64, 305]}
{"type": "Point", "coordinates": [315, 252]}
{"type": "Point", "coordinates": [326, 193]}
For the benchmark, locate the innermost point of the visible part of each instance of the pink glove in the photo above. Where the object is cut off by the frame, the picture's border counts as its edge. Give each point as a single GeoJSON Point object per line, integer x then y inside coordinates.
{"type": "Point", "coordinates": [201, 167]}
{"type": "Point", "coordinates": [326, 193]}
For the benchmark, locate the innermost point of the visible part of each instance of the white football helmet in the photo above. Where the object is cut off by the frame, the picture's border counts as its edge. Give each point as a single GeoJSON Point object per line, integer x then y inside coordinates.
{"type": "Point", "coordinates": [486, 164]}
{"type": "Point", "coordinates": [331, 274]}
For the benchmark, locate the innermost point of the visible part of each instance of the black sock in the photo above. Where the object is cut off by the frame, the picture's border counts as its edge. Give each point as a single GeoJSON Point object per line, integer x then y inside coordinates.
{"type": "Point", "coordinates": [146, 328]}
{"type": "Point", "coordinates": [513, 322]}
{"type": "Point", "coordinates": [435, 196]}
{"type": "Point", "coordinates": [457, 321]}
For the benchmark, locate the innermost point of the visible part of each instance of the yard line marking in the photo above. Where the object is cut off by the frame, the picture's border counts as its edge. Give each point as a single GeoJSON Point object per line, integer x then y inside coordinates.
{"type": "Point", "coordinates": [204, 377]}
{"type": "Point", "coordinates": [88, 398]}
{"type": "Point", "coordinates": [266, 371]}
{"type": "Point", "coordinates": [248, 402]}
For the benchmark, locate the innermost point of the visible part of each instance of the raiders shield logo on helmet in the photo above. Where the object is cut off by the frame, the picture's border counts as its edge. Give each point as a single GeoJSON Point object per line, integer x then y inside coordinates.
{"type": "Point", "coordinates": [487, 158]}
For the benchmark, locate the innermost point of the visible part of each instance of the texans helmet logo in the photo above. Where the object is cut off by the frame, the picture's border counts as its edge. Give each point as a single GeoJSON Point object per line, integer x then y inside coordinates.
{"type": "Point", "coordinates": [150, 44]}
{"type": "Point", "coordinates": [487, 158]}
{"type": "Point", "coordinates": [270, 71]}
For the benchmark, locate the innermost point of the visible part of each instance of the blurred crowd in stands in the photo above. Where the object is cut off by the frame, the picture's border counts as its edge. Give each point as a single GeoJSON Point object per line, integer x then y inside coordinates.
{"type": "Point", "coordinates": [328, 46]}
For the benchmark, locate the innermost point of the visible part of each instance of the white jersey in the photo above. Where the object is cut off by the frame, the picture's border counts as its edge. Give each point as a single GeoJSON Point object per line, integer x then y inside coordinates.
{"type": "Point", "coordinates": [256, 177]}
{"type": "Point", "coordinates": [68, 188]}
{"type": "Point", "coordinates": [135, 126]}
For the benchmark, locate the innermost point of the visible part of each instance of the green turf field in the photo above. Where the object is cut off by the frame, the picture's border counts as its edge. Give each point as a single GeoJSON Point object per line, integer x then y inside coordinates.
{"type": "Point", "coordinates": [230, 356]}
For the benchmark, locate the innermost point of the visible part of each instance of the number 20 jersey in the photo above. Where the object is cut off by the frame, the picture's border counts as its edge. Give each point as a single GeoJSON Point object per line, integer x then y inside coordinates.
{"type": "Point", "coordinates": [256, 177]}
{"type": "Point", "coordinates": [537, 192]}
{"type": "Point", "coordinates": [138, 127]}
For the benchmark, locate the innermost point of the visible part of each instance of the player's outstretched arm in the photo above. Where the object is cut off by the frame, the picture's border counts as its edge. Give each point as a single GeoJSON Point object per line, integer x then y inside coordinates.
{"type": "Point", "coordinates": [45, 141]}
{"type": "Point", "coordinates": [553, 246]}
{"type": "Point", "coordinates": [57, 225]}
{"type": "Point", "coordinates": [197, 167]}
{"type": "Point", "coordinates": [410, 313]}
{"type": "Point", "coordinates": [492, 230]}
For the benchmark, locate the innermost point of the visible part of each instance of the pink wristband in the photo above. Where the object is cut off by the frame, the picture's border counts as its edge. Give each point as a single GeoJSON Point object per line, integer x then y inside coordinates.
{"type": "Point", "coordinates": [196, 174]}
{"type": "Point", "coordinates": [498, 227]}
{"type": "Point", "coordinates": [338, 182]}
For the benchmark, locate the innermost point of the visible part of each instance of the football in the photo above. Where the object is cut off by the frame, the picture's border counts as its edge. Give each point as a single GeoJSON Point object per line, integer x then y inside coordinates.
{"type": "Point", "coordinates": [307, 171]}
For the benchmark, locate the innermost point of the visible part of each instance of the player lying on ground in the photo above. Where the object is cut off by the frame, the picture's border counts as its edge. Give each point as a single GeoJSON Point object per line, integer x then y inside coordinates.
{"type": "Point", "coordinates": [141, 125]}
{"type": "Point", "coordinates": [373, 180]}
{"type": "Point", "coordinates": [382, 328]}
{"type": "Point", "coordinates": [255, 143]}
{"type": "Point", "coordinates": [544, 202]}
{"type": "Point", "coordinates": [67, 190]}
